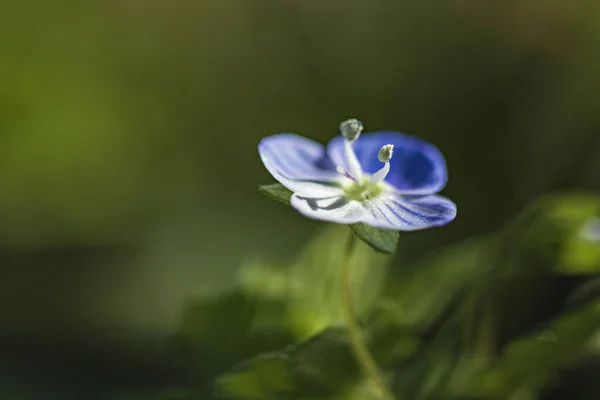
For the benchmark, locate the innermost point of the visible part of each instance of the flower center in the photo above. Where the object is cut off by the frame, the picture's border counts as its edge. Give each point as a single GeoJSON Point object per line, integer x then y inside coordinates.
{"type": "Point", "coordinates": [364, 190]}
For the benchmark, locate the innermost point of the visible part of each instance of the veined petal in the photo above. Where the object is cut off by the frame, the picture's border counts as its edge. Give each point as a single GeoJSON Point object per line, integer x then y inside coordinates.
{"type": "Point", "coordinates": [409, 213]}
{"type": "Point", "coordinates": [417, 168]}
{"type": "Point", "coordinates": [291, 158]}
{"type": "Point", "coordinates": [336, 209]}
{"type": "Point", "coordinates": [317, 190]}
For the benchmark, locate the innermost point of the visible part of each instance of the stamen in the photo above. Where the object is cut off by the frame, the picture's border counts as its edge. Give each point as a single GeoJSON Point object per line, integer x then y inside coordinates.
{"type": "Point", "coordinates": [385, 155]}
{"type": "Point", "coordinates": [342, 171]}
{"type": "Point", "coordinates": [353, 164]}
{"type": "Point", "coordinates": [351, 129]}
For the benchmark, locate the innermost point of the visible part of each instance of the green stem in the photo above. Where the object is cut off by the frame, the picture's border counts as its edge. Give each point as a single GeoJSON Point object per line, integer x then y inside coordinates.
{"type": "Point", "coordinates": [359, 347]}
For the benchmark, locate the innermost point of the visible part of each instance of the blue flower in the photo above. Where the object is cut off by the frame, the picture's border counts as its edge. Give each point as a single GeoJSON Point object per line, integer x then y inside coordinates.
{"type": "Point", "coordinates": [388, 180]}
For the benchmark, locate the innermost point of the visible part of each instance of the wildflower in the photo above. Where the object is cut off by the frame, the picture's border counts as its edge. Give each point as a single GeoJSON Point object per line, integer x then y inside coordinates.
{"type": "Point", "coordinates": [386, 179]}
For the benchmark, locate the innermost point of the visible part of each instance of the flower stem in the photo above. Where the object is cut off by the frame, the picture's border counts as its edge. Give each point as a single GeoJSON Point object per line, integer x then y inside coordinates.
{"type": "Point", "coordinates": [359, 347]}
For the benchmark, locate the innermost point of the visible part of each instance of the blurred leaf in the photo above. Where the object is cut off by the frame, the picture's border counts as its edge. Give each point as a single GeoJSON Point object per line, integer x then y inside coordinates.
{"type": "Point", "coordinates": [564, 232]}
{"type": "Point", "coordinates": [276, 191]}
{"type": "Point", "coordinates": [420, 292]}
{"type": "Point", "coordinates": [309, 287]}
{"type": "Point", "coordinates": [586, 293]}
{"type": "Point", "coordinates": [321, 367]}
{"type": "Point", "coordinates": [265, 377]}
{"type": "Point", "coordinates": [263, 279]}
{"type": "Point", "coordinates": [435, 373]}
{"type": "Point", "coordinates": [314, 296]}
{"type": "Point", "coordinates": [381, 240]}
{"type": "Point", "coordinates": [312, 369]}
{"type": "Point", "coordinates": [526, 364]}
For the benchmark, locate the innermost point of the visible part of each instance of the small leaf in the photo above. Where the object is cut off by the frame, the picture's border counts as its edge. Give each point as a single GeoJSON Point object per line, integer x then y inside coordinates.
{"type": "Point", "coordinates": [276, 191]}
{"type": "Point", "coordinates": [381, 240]}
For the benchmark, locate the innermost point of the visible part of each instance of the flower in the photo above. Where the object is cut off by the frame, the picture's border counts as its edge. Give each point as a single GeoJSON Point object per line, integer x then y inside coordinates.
{"type": "Point", "coordinates": [385, 179]}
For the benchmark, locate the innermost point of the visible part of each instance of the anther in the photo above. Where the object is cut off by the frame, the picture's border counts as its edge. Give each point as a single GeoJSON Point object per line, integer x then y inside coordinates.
{"type": "Point", "coordinates": [385, 153]}
{"type": "Point", "coordinates": [351, 129]}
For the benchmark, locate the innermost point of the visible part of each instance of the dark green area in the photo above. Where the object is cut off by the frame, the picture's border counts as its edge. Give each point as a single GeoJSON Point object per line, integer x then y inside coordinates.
{"type": "Point", "coordinates": [139, 261]}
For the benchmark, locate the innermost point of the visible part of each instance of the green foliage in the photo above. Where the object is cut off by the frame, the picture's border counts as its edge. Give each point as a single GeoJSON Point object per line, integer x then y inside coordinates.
{"type": "Point", "coordinates": [381, 240]}
{"type": "Point", "coordinates": [437, 326]}
{"type": "Point", "coordinates": [314, 369]}
{"type": "Point", "coordinates": [309, 286]}
{"type": "Point", "coordinates": [462, 323]}
{"type": "Point", "coordinates": [274, 305]}
{"type": "Point", "coordinates": [277, 191]}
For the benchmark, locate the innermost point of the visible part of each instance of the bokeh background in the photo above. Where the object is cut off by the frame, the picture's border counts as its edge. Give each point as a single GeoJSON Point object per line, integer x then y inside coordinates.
{"type": "Point", "coordinates": [129, 165]}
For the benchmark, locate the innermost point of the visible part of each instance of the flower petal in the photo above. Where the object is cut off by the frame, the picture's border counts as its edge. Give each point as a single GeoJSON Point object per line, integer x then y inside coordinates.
{"type": "Point", "coordinates": [417, 167]}
{"type": "Point", "coordinates": [291, 158]}
{"type": "Point", "coordinates": [336, 209]}
{"type": "Point", "coordinates": [317, 190]}
{"type": "Point", "coordinates": [409, 213]}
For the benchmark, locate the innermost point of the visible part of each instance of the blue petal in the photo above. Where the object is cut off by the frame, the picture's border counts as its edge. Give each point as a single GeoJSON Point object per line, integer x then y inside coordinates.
{"type": "Point", "coordinates": [409, 213]}
{"type": "Point", "coordinates": [417, 167]}
{"type": "Point", "coordinates": [291, 159]}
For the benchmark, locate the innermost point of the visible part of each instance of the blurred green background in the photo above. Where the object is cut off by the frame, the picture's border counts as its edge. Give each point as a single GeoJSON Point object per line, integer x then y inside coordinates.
{"type": "Point", "coordinates": [129, 167]}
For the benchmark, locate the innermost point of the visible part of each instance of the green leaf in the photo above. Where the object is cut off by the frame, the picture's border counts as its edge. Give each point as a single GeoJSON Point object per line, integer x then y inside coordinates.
{"type": "Point", "coordinates": [381, 240]}
{"type": "Point", "coordinates": [420, 292]}
{"type": "Point", "coordinates": [276, 191]}
{"type": "Point", "coordinates": [556, 234]}
{"type": "Point", "coordinates": [585, 293]}
{"type": "Point", "coordinates": [435, 372]}
{"type": "Point", "coordinates": [314, 296]}
{"type": "Point", "coordinates": [322, 367]}
{"type": "Point", "coordinates": [314, 369]}
{"type": "Point", "coordinates": [308, 287]}
{"type": "Point", "coordinates": [265, 377]}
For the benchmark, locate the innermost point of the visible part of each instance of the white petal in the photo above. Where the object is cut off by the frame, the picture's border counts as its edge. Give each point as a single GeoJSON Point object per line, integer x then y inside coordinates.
{"type": "Point", "coordinates": [317, 190]}
{"type": "Point", "coordinates": [291, 159]}
{"type": "Point", "coordinates": [336, 209]}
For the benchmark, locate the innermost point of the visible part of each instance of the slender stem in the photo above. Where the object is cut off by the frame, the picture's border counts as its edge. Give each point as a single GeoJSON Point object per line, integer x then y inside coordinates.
{"type": "Point", "coordinates": [359, 347]}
